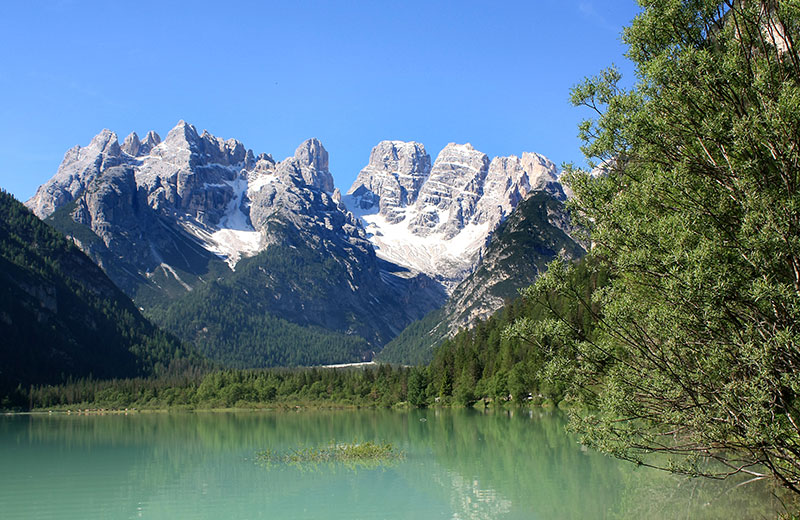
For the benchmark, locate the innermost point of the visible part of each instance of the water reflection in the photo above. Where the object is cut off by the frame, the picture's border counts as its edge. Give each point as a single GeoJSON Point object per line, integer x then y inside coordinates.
{"type": "Point", "coordinates": [459, 464]}
{"type": "Point", "coordinates": [470, 501]}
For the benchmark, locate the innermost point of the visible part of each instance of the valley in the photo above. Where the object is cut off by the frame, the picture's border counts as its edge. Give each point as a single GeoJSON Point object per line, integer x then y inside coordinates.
{"type": "Point", "coordinates": [258, 262]}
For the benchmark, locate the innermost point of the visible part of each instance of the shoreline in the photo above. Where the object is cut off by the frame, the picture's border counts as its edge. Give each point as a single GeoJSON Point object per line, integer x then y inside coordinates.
{"type": "Point", "coordinates": [278, 407]}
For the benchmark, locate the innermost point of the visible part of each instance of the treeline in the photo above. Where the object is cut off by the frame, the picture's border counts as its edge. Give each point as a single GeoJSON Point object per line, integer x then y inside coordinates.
{"type": "Point", "coordinates": [383, 385]}
{"type": "Point", "coordinates": [489, 362]}
{"type": "Point", "coordinates": [493, 361]}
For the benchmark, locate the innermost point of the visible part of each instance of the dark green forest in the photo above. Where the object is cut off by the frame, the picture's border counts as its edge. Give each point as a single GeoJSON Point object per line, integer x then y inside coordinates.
{"type": "Point", "coordinates": [61, 317]}
{"type": "Point", "coordinates": [219, 319]}
{"type": "Point", "coordinates": [486, 363]}
{"type": "Point", "coordinates": [493, 361]}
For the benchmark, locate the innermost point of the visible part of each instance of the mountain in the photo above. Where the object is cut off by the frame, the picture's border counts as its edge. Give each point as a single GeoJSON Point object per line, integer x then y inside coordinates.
{"type": "Point", "coordinates": [535, 233]}
{"type": "Point", "coordinates": [192, 220]}
{"type": "Point", "coordinates": [262, 262]}
{"type": "Point", "coordinates": [61, 316]}
{"type": "Point", "coordinates": [437, 218]}
{"type": "Point", "coordinates": [483, 363]}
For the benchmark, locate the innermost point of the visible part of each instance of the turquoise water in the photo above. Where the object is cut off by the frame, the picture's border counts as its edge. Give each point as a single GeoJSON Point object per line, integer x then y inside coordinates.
{"type": "Point", "coordinates": [459, 464]}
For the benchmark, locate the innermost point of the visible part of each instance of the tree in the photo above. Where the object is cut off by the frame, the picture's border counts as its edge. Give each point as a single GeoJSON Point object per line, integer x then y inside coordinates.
{"type": "Point", "coordinates": [694, 213]}
{"type": "Point", "coordinates": [417, 381]}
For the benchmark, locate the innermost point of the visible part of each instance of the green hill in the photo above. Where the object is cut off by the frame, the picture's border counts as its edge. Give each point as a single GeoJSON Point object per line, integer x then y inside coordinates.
{"type": "Point", "coordinates": [60, 315]}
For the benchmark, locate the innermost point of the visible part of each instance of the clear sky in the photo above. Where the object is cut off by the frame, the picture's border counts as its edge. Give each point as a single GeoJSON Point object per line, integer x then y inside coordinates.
{"type": "Point", "coordinates": [493, 73]}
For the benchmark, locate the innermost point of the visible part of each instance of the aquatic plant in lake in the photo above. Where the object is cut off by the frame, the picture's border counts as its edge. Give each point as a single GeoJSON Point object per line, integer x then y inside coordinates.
{"type": "Point", "coordinates": [354, 454]}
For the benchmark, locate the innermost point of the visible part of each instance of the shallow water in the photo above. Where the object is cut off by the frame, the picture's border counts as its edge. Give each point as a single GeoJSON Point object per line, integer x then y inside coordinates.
{"type": "Point", "coordinates": [458, 464]}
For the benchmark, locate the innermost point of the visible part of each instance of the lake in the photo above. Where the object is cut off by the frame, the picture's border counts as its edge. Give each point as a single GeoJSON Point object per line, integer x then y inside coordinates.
{"type": "Point", "coordinates": [458, 464]}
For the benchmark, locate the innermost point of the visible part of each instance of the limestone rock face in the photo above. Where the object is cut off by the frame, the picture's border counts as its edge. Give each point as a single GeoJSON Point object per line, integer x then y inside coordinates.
{"type": "Point", "coordinates": [510, 179]}
{"type": "Point", "coordinates": [393, 178]}
{"type": "Point", "coordinates": [164, 217]}
{"type": "Point", "coordinates": [203, 184]}
{"type": "Point", "coordinates": [520, 249]}
{"type": "Point", "coordinates": [454, 187]}
{"type": "Point", "coordinates": [309, 164]}
{"type": "Point", "coordinates": [79, 167]}
{"type": "Point", "coordinates": [437, 219]}
{"type": "Point", "coordinates": [135, 147]}
{"type": "Point", "coordinates": [132, 144]}
{"type": "Point", "coordinates": [106, 206]}
{"type": "Point", "coordinates": [151, 140]}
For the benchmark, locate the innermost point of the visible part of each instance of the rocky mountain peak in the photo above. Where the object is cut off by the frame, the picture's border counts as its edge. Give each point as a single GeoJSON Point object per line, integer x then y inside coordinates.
{"type": "Point", "coordinates": [311, 153]}
{"type": "Point", "coordinates": [393, 178]}
{"type": "Point", "coordinates": [106, 142]}
{"type": "Point", "coordinates": [431, 217]}
{"type": "Point", "coordinates": [309, 164]}
{"type": "Point", "coordinates": [151, 140]}
{"type": "Point", "coordinates": [136, 147]}
{"type": "Point", "coordinates": [509, 180]}
{"type": "Point", "coordinates": [542, 174]}
{"type": "Point", "coordinates": [79, 167]}
{"type": "Point", "coordinates": [462, 153]}
{"type": "Point", "coordinates": [437, 218]}
{"type": "Point", "coordinates": [452, 191]}
{"type": "Point", "coordinates": [131, 144]}
{"type": "Point", "coordinates": [400, 158]}
{"type": "Point", "coordinates": [183, 135]}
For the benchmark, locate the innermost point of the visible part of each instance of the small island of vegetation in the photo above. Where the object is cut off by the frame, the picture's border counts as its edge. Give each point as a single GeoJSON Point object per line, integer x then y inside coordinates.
{"type": "Point", "coordinates": [352, 454]}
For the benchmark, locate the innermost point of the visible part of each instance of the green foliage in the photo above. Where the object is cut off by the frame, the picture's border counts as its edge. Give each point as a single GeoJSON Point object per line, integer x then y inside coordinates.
{"type": "Point", "coordinates": [417, 387]}
{"type": "Point", "coordinates": [220, 321]}
{"type": "Point", "coordinates": [500, 357]}
{"type": "Point", "coordinates": [354, 454]}
{"type": "Point", "coordinates": [61, 317]}
{"type": "Point", "coordinates": [260, 315]}
{"type": "Point", "coordinates": [520, 249]}
{"type": "Point", "coordinates": [416, 343]}
{"type": "Point", "coordinates": [371, 386]}
{"type": "Point", "coordinates": [697, 219]}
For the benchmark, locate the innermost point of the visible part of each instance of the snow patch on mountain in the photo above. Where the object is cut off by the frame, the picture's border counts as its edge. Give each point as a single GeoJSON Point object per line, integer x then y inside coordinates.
{"type": "Point", "coordinates": [234, 237]}
{"type": "Point", "coordinates": [168, 270]}
{"type": "Point", "coordinates": [440, 223]}
{"type": "Point", "coordinates": [259, 182]}
{"type": "Point", "coordinates": [448, 260]}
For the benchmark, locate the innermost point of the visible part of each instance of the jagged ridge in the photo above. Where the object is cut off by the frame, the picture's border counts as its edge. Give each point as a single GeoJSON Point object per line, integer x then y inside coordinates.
{"type": "Point", "coordinates": [161, 217]}
{"type": "Point", "coordinates": [436, 219]}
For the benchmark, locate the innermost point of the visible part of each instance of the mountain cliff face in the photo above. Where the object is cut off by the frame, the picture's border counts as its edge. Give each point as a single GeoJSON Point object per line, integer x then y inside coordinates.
{"type": "Point", "coordinates": [218, 243]}
{"type": "Point", "coordinates": [392, 179]}
{"type": "Point", "coordinates": [61, 316]}
{"type": "Point", "coordinates": [163, 218]}
{"type": "Point", "coordinates": [437, 219]}
{"type": "Point", "coordinates": [200, 183]}
{"type": "Point", "coordinates": [534, 234]}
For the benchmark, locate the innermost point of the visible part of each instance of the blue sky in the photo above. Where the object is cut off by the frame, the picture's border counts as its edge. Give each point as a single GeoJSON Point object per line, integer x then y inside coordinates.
{"type": "Point", "coordinates": [496, 74]}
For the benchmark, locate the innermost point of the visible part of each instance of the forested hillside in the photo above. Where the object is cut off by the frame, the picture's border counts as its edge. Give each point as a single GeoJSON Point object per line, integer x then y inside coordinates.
{"type": "Point", "coordinates": [243, 319]}
{"type": "Point", "coordinates": [488, 362]}
{"type": "Point", "coordinates": [60, 315]}
{"type": "Point", "coordinates": [533, 235]}
{"type": "Point", "coordinates": [493, 361]}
